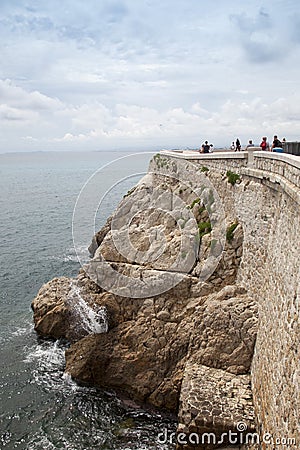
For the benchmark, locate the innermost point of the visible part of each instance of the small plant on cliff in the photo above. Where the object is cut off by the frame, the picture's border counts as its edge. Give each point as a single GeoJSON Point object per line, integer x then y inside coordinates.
{"type": "Point", "coordinates": [204, 169]}
{"type": "Point", "coordinates": [232, 177]}
{"type": "Point", "coordinates": [230, 231]}
{"type": "Point", "coordinates": [194, 202]}
{"type": "Point", "coordinates": [201, 209]}
{"type": "Point", "coordinates": [204, 228]}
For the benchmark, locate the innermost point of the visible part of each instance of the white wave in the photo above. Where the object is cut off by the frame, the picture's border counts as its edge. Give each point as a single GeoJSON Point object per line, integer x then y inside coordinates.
{"type": "Point", "coordinates": [13, 331]}
{"type": "Point", "coordinates": [20, 331]}
{"type": "Point", "coordinates": [81, 253]}
{"type": "Point", "coordinates": [68, 381]}
{"type": "Point", "coordinates": [50, 355]}
{"type": "Point", "coordinates": [41, 442]}
{"type": "Point", "coordinates": [47, 362]}
{"type": "Point", "coordinates": [92, 321]}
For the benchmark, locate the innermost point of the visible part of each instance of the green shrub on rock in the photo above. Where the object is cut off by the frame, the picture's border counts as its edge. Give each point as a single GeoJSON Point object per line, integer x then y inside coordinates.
{"type": "Point", "coordinates": [232, 177]}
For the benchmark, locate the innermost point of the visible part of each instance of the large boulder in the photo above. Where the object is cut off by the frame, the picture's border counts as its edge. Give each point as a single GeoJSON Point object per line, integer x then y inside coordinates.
{"type": "Point", "coordinates": [143, 355]}
{"type": "Point", "coordinates": [225, 329]}
{"type": "Point", "coordinates": [50, 313]}
{"type": "Point", "coordinates": [63, 309]}
{"type": "Point", "coordinates": [146, 354]}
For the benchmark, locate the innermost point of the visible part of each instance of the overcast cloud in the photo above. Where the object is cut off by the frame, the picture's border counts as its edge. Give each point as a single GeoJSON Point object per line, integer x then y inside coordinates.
{"type": "Point", "coordinates": [147, 74]}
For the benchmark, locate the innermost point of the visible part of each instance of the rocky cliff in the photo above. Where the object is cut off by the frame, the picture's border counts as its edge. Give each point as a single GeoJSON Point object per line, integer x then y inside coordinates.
{"type": "Point", "coordinates": [158, 312]}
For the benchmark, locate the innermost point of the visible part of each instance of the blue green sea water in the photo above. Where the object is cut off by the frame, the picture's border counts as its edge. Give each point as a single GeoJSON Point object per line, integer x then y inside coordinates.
{"type": "Point", "coordinates": [40, 406]}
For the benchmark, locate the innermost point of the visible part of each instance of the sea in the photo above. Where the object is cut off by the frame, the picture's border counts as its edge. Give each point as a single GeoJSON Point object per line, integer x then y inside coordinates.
{"type": "Point", "coordinates": [48, 217]}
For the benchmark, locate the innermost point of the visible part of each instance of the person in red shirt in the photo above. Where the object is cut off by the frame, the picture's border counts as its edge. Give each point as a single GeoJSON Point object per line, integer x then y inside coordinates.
{"type": "Point", "coordinates": [265, 146]}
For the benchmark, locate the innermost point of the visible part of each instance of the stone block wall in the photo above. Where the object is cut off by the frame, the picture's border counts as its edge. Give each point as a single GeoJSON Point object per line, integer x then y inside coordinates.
{"type": "Point", "coordinates": [267, 204]}
{"type": "Point", "coordinates": [287, 166]}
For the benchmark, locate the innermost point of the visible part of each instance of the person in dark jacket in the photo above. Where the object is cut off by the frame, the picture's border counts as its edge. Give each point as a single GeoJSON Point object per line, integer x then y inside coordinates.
{"type": "Point", "coordinates": [238, 145]}
{"type": "Point", "coordinates": [276, 144]}
{"type": "Point", "coordinates": [205, 147]}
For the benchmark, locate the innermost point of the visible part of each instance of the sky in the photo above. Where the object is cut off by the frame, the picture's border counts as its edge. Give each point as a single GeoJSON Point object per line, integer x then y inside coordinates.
{"type": "Point", "coordinates": [147, 74]}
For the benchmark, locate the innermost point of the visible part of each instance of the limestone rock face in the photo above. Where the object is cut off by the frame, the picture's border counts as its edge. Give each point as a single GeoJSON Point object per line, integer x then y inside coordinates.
{"type": "Point", "coordinates": [62, 309]}
{"type": "Point", "coordinates": [98, 238]}
{"type": "Point", "coordinates": [50, 312]}
{"type": "Point", "coordinates": [225, 329]}
{"type": "Point", "coordinates": [161, 238]}
{"type": "Point", "coordinates": [146, 354]}
{"type": "Point", "coordinates": [143, 355]}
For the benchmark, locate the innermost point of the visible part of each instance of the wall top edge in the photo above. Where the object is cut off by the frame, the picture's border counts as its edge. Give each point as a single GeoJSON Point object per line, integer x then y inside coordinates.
{"type": "Point", "coordinates": [293, 160]}
{"type": "Point", "coordinates": [190, 154]}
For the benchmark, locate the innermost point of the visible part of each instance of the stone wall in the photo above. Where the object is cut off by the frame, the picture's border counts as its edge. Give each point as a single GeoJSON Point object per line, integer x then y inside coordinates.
{"type": "Point", "coordinates": [266, 201]}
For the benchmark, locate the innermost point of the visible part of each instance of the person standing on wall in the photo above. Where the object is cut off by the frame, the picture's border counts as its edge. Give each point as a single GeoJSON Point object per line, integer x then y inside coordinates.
{"type": "Point", "coordinates": [237, 145]}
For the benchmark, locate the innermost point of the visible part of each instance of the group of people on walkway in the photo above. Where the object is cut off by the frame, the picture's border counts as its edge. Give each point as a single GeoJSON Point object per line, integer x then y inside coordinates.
{"type": "Point", "coordinates": [277, 145]}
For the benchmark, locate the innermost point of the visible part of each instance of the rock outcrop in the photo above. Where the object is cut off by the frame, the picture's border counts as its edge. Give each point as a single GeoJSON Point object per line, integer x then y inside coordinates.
{"type": "Point", "coordinates": [181, 336]}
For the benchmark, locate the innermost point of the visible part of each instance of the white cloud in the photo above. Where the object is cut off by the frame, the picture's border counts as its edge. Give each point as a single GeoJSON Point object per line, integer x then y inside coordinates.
{"type": "Point", "coordinates": [187, 128]}
{"type": "Point", "coordinates": [41, 120]}
{"type": "Point", "coordinates": [118, 73]}
{"type": "Point", "coordinates": [23, 100]}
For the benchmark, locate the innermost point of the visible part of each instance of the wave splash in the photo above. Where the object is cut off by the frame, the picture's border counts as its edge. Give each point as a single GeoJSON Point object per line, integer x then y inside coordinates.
{"type": "Point", "coordinates": [92, 320]}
